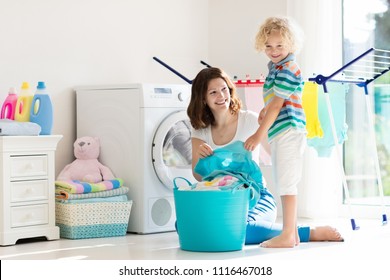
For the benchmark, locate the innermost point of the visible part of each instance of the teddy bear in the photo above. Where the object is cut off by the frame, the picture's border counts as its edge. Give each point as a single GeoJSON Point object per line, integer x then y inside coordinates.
{"type": "Point", "coordinates": [86, 166]}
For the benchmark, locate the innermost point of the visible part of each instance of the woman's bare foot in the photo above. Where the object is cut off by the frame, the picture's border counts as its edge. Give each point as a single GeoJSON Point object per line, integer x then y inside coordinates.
{"type": "Point", "coordinates": [325, 233]}
{"type": "Point", "coordinates": [283, 240]}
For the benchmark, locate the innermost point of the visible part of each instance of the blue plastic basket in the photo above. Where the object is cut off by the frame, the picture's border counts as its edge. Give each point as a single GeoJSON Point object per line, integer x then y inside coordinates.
{"type": "Point", "coordinates": [212, 221]}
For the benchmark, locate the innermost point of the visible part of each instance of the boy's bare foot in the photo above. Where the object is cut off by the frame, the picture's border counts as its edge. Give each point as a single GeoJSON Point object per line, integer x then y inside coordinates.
{"type": "Point", "coordinates": [325, 233]}
{"type": "Point", "coordinates": [281, 241]}
{"type": "Point", "coordinates": [321, 233]}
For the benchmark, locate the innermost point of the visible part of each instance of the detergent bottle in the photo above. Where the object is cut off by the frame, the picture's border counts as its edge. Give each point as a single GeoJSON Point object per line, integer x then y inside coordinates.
{"type": "Point", "coordinates": [42, 109]}
{"type": "Point", "coordinates": [23, 104]}
{"type": "Point", "coordinates": [9, 105]}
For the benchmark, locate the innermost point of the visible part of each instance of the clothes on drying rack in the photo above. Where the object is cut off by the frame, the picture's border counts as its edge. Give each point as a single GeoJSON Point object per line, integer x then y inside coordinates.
{"type": "Point", "coordinates": [337, 94]}
{"type": "Point", "coordinates": [310, 106]}
{"type": "Point", "coordinates": [318, 123]}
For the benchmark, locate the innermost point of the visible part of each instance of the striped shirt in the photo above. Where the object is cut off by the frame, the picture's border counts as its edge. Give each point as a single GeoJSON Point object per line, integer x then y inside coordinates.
{"type": "Point", "coordinates": [285, 80]}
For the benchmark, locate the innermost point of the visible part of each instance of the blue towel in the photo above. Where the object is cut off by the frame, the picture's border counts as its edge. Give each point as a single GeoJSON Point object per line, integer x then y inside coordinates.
{"type": "Point", "coordinates": [232, 158]}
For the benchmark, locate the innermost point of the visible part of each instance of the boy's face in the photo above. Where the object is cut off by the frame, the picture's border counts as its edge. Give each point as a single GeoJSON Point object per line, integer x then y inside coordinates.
{"type": "Point", "coordinates": [276, 48]}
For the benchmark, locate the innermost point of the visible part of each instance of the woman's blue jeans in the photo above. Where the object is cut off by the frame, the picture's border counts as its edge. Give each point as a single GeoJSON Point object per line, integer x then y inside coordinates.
{"type": "Point", "coordinates": [261, 221]}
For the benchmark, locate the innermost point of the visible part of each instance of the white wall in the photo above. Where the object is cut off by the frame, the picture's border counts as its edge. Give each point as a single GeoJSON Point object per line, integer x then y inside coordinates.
{"type": "Point", "coordinates": [82, 42]}
{"type": "Point", "coordinates": [233, 25]}
{"type": "Point", "coordinates": [73, 43]}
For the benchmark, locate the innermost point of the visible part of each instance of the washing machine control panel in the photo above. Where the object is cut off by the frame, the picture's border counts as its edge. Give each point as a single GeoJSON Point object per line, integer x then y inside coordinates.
{"type": "Point", "coordinates": [166, 95]}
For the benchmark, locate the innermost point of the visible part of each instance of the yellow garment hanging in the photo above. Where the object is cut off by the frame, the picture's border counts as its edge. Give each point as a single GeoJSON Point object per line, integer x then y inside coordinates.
{"type": "Point", "coordinates": [310, 106]}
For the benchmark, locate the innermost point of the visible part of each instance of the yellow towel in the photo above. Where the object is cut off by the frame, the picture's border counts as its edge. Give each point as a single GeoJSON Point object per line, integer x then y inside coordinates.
{"type": "Point", "coordinates": [310, 106]}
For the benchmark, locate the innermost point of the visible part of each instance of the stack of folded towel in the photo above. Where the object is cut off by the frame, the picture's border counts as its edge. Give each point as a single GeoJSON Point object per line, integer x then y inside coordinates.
{"type": "Point", "coordinates": [91, 210]}
{"type": "Point", "coordinates": [74, 191]}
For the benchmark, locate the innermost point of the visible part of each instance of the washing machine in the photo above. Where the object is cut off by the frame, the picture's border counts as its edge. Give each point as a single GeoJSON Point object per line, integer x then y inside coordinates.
{"type": "Point", "coordinates": [145, 139]}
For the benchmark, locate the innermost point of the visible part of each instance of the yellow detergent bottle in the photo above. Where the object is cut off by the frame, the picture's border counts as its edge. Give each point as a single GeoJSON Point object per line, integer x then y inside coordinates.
{"type": "Point", "coordinates": [23, 105]}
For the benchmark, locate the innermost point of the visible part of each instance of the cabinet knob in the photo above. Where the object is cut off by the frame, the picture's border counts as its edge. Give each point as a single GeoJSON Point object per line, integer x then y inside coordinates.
{"type": "Point", "coordinates": [30, 190]}
{"type": "Point", "coordinates": [29, 166]}
{"type": "Point", "coordinates": [30, 215]}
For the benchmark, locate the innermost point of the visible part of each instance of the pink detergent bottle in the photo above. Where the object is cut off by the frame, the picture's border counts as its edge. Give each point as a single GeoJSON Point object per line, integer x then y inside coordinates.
{"type": "Point", "coordinates": [9, 105]}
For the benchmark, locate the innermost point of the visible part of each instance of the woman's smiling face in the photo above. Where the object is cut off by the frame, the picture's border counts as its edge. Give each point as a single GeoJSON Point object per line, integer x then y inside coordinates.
{"type": "Point", "coordinates": [218, 94]}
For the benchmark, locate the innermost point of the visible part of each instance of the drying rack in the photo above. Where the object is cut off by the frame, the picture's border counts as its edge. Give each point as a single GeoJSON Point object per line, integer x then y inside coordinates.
{"type": "Point", "coordinates": [173, 70]}
{"type": "Point", "coordinates": [238, 82]}
{"type": "Point", "coordinates": [378, 64]}
{"type": "Point", "coordinates": [246, 83]}
{"type": "Point", "coordinates": [355, 72]}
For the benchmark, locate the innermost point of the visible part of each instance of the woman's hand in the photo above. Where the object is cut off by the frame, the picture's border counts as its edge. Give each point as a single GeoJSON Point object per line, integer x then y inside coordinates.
{"type": "Point", "coordinates": [200, 149]}
{"type": "Point", "coordinates": [204, 150]}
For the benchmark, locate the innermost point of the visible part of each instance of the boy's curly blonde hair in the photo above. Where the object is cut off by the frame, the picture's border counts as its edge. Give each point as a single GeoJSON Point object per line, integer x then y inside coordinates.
{"type": "Point", "coordinates": [289, 30]}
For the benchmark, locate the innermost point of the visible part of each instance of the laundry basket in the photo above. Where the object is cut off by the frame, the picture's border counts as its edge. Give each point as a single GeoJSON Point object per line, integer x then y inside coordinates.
{"type": "Point", "coordinates": [93, 220]}
{"type": "Point", "coordinates": [212, 221]}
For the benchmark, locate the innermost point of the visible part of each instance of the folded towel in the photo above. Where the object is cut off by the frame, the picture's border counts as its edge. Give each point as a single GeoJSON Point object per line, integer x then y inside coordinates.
{"type": "Point", "coordinates": [64, 195]}
{"type": "Point", "coordinates": [117, 198]}
{"type": "Point", "coordinates": [15, 128]}
{"type": "Point", "coordinates": [75, 186]}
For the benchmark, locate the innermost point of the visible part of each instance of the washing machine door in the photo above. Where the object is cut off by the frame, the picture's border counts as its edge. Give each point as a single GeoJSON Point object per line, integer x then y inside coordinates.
{"type": "Point", "coordinates": [171, 149]}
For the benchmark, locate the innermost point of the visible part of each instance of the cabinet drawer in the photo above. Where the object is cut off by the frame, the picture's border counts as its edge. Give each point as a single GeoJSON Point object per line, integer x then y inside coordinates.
{"type": "Point", "coordinates": [29, 166]}
{"type": "Point", "coordinates": [29, 190]}
{"type": "Point", "coordinates": [22, 216]}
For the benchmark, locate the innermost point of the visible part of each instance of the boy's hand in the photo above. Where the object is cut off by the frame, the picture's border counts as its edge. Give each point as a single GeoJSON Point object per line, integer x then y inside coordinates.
{"type": "Point", "coordinates": [261, 116]}
{"type": "Point", "coordinates": [252, 142]}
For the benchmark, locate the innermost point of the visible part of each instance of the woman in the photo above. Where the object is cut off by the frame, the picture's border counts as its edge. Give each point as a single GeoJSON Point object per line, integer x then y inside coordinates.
{"type": "Point", "coordinates": [217, 120]}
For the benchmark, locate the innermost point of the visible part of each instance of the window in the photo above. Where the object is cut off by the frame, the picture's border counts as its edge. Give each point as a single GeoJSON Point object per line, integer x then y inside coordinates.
{"type": "Point", "coordinates": [366, 24]}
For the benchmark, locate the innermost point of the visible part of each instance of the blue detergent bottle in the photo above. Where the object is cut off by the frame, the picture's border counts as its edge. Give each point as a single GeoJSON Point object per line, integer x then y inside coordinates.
{"type": "Point", "coordinates": [42, 109]}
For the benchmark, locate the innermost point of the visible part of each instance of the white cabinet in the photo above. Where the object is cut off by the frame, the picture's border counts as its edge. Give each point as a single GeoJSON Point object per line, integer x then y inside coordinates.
{"type": "Point", "coordinates": [27, 191]}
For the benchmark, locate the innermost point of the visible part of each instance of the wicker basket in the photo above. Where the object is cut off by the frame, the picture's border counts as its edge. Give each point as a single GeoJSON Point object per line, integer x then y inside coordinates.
{"type": "Point", "coordinates": [92, 220]}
